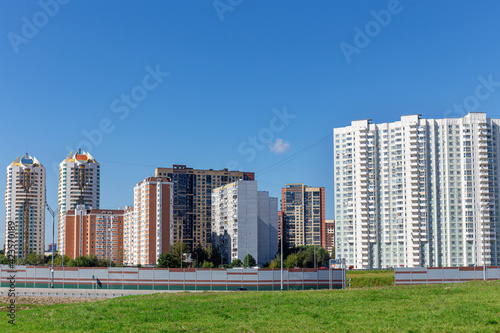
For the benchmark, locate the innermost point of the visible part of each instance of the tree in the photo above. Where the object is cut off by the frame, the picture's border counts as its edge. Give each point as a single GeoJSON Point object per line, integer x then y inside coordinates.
{"type": "Point", "coordinates": [121, 256]}
{"type": "Point", "coordinates": [58, 260]}
{"type": "Point", "coordinates": [168, 260]}
{"type": "Point", "coordinates": [34, 259]}
{"type": "Point", "coordinates": [249, 261]}
{"type": "Point", "coordinates": [216, 257]}
{"type": "Point", "coordinates": [178, 250]}
{"type": "Point", "coordinates": [303, 257]}
{"type": "Point", "coordinates": [172, 258]}
{"type": "Point", "coordinates": [235, 263]}
{"type": "Point", "coordinates": [199, 256]}
{"type": "Point", "coordinates": [276, 262]}
{"type": "Point", "coordinates": [4, 260]}
{"type": "Point", "coordinates": [292, 260]}
{"type": "Point", "coordinates": [208, 264]}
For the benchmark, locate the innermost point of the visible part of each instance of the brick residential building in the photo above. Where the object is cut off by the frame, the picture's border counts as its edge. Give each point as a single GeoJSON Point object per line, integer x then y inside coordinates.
{"type": "Point", "coordinates": [330, 236]}
{"type": "Point", "coordinates": [303, 215]}
{"type": "Point", "coordinates": [94, 231]}
{"type": "Point", "coordinates": [148, 225]}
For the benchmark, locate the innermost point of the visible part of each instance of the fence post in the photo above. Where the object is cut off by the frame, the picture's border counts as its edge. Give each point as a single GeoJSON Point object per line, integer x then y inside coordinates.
{"type": "Point", "coordinates": [123, 277]}
{"type": "Point", "coordinates": [329, 277]}
{"type": "Point", "coordinates": [153, 278]}
{"type": "Point", "coordinates": [258, 279]}
{"type": "Point", "coordinates": [288, 278]}
{"type": "Point", "coordinates": [303, 284]}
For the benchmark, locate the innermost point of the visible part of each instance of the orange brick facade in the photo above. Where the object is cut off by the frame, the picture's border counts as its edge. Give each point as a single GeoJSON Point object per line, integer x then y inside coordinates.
{"type": "Point", "coordinates": [148, 226]}
{"type": "Point", "coordinates": [97, 231]}
{"type": "Point", "coordinates": [330, 236]}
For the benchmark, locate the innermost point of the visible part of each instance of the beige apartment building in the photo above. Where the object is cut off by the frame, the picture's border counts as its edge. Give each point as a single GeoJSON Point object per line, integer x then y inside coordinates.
{"type": "Point", "coordinates": [192, 200]}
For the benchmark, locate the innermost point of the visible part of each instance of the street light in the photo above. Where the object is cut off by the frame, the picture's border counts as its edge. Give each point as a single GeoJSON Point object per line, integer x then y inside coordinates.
{"type": "Point", "coordinates": [281, 254]}
{"type": "Point", "coordinates": [53, 223]}
{"type": "Point", "coordinates": [484, 243]}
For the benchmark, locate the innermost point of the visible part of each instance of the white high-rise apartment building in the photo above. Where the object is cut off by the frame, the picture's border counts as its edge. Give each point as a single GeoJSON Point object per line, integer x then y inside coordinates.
{"type": "Point", "coordinates": [418, 192]}
{"type": "Point", "coordinates": [79, 179]}
{"type": "Point", "coordinates": [148, 225]}
{"type": "Point", "coordinates": [25, 206]}
{"type": "Point", "coordinates": [128, 241]}
{"type": "Point", "coordinates": [244, 221]}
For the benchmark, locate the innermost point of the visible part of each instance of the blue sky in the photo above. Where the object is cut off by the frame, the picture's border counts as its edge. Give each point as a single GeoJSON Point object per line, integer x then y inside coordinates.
{"type": "Point", "coordinates": [232, 66]}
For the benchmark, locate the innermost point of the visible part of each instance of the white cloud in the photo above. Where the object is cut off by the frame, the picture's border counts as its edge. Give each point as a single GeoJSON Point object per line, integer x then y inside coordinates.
{"type": "Point", "coordinates": [279, 146]}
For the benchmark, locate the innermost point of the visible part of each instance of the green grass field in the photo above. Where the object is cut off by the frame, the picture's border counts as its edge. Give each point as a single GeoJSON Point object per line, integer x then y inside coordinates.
{"type": "Point", "coordinates": [464, 307]}
{"type": "Point", "coordinates": [363, 279]}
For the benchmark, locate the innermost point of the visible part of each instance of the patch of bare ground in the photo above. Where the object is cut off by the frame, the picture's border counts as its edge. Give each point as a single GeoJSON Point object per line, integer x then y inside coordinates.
{"type": "Point", "coordinates": [27, 302]}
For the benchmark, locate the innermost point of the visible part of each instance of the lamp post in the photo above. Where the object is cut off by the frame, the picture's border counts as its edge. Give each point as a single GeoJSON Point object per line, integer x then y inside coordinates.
{"type": "Point", "coordinates": [53, 224]}
{"type": "Point", "coordinates": [484, 249]}
{"type": "Point", "coordinates": [281, 255]}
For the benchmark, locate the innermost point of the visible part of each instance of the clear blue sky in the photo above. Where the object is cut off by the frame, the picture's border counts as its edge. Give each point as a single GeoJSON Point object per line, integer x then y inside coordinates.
{"type": "Point", "coordinates": [229, 68]}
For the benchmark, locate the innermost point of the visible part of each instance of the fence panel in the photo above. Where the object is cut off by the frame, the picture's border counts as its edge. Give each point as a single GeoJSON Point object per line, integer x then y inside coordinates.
{"type": "Point", "coordinates": [430, 275]}
{"type": "Point", "coordinates": [169, 279]}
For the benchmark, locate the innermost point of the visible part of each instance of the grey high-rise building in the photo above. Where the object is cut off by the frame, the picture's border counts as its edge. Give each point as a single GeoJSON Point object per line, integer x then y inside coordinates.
{"type": "Point", "coordinates": [418, 192]}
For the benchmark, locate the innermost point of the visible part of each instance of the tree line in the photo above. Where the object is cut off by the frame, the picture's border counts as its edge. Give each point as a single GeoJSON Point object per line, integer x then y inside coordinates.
{"type": "Point", "coordinates": [308, 256]}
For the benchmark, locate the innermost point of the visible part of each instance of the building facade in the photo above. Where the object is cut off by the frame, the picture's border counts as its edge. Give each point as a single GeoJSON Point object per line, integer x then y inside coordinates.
{"type": "Point", "coordinates": [330, 236]}
{"type": "Point", "coordinates": [128, 239]}
{"type": "Point", "coordinates": [418, 192]}
{"type": "Point", "coordinates": [192, 200]}
{"type": "Point", "coordinates": [52, 247]}
{"type": "Point", "coordinates": [244, 221]}
{"type": "Point", "coordinates": [79, 184]}
{"type": "Point", "coordinates": [148, 225]}
{"type": "Point", "coordinates": [25, 206]}
{"type": "Point", "coordinates": [303, 215]}
{"type": "Point", "coordinates": [96, 232]}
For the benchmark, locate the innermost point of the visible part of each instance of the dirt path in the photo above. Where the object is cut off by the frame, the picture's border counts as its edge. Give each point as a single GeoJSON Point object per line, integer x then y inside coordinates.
{"type": "Point", "coordinates": [24, 302]}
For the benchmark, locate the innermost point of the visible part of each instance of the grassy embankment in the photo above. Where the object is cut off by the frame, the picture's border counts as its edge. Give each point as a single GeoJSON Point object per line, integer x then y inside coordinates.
{"type": "Point", "coordinates": [363, 279]}
{"type": "Point", "coordinates": [463, 307]}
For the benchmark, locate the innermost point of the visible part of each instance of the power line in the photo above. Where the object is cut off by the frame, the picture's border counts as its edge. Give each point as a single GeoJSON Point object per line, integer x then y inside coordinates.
{"type": "Point", "coordinates": [293, 156]}
{"type": "Point", "coordinates": [130, 164]}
